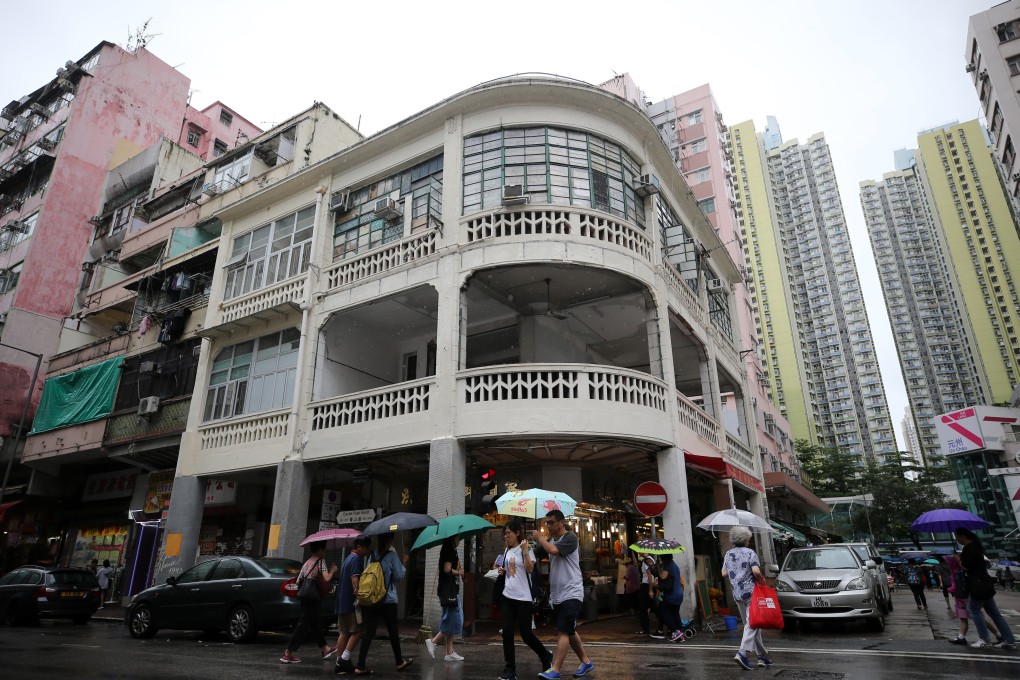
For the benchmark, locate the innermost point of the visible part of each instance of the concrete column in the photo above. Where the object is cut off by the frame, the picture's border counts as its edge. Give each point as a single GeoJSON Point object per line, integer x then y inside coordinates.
{"type": "Point", "coordinates": [179, 550]}
{"type": "Point", "coordinates": [676, 520]}
{"type": "Point", "coordinates": [764, 539]}
{"type": "Point", "coordinates": [447, 478]}
{"type": "Point", "coordinates": [289, 522]}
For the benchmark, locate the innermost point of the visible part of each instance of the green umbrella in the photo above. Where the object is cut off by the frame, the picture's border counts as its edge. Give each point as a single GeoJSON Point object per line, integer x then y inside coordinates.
{"type": "Point", "coordinates": [657, 546]}
{"type": "Point", "coordinates": [456, 525]}
{"type": "Point", "coordinates": [931, 561]}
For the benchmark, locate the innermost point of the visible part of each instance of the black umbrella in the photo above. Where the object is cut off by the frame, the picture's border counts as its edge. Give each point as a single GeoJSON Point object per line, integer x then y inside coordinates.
{"type": "Point", "coordinates": [399, 521]}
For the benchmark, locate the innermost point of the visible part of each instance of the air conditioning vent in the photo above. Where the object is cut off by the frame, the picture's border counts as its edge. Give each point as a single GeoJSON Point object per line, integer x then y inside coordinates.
{"type": "Point", "coordinates": [148, 368]}
{"type": "Point", "coordinates": [715, 284]}
{"type": "Point", "coordinates": [148, 406]}
{"type": "Point", "coordinates": [388, 209]}
{"type": "Point", "coordinates": [647, 185]}
{"type": "Point", "coordinates": [340, 201]}
{"type": "Point", "coordinates": [513, 194]}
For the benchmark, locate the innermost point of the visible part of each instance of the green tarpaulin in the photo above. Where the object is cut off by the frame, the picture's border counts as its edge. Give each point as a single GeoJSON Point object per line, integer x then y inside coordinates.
{"type": "Point", "coordinates": [78, 396]}
{"type": "Point", "coordinates": [798, 537]}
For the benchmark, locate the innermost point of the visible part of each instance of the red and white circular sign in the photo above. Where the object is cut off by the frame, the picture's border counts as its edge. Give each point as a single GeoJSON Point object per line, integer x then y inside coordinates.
{"type": "Point", "coordinates": [650, 499]}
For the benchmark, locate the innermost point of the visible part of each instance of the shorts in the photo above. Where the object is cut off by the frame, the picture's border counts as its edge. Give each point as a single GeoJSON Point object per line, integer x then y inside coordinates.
{"type": "Point", "coordinates": [452, 621]}
{"type": "Point", "coordinates": [565, 615]}
{"type": "Point", "coordinates": [348, 624]}
{"type": "Point", "coordinates": [961, 609]}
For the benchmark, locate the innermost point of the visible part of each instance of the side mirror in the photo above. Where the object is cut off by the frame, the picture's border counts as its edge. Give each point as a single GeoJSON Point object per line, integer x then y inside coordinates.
{"type": "Point", "coordinates": [870, 564]}
{"type": "Point", "coordinates": [171, 581]}
{"type": "Point", "coordinates": [773, 568]}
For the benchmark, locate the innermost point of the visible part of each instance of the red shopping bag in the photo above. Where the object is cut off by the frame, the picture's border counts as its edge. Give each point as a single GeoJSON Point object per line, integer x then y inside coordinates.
{"type": "Point", "coordinates": [764, 611]}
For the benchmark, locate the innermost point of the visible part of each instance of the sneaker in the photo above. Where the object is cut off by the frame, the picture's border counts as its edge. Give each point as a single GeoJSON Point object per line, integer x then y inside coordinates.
{"type": "Point", "coordinates": [289, 658]}
{"type": "Point", "coordinates": [743, 662]}
{"type": "Point", "coordinates": [677, 634]}
{"type": "Point", "coordinates": [430, 647]}
{"type": "Point", "coordinates": [329, 653]}
{"type": "Point", "coordinates": [1006, 645]}
{"type": "Point", "coordinates": [764, 661]}
{"type": "Point", "coordinates": [549, 674]}
{"type": "Point", "coordinates": [584, 669]}
{"type": "Point", "coordinates": [958, 640]}
{"type": "Point", "coordinates": [343, 666]}
{"type": "Point", "coordinates": [980, 644]}
{"type": "Point", "coordinates": [508, 674]}
{"type": "Point", "coordinates": [453, 656]}
{"type": "Point", "coordinates": [657, 636]}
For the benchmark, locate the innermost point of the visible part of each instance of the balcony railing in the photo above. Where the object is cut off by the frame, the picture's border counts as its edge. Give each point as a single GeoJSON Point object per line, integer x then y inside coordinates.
{"type": "Point", "coordinates": [584, 226]}
{"type": "Point", "coordinates": [381, 260]}
{"type": "Point", "coordinates": [693, 417]}
{"type": "Point", "coordinates": [291, 290]}
{"type": "Point", "coordinates": [739, 453]}
{"type": "Point", "coordinates": [247, 430]}
{"type": "Point", "coordinates": [171, 418]}
{"type": "Point", "coordinates": [372, 405]}
{"type": "Point", "coordinates": [688, 298]}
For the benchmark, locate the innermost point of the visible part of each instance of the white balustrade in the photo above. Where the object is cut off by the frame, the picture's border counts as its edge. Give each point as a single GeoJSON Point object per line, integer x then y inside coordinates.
{"type": "Point", "coordinates": [250, 430]}
{"type": "Point", "coordinates": [381, 260]}
{"type": "Point", "coordinates": [740, 453]}
{"type": "Point", "coordinates": [693, 417]}
{"type": "Point", "coordinates": [290, 290]}
{"type": "Point", "coordinates": [371, 405]}
{"type": "Point", "coordinates": [687, 296]}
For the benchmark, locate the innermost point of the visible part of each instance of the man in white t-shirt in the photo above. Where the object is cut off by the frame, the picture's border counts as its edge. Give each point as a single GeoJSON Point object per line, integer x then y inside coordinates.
{"type": "Point", "coordinates": [104, 575]}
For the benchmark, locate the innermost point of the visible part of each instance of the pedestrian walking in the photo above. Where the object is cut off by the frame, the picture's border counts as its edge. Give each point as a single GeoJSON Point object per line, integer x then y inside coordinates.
{"type": "Point", "coordinates": [566, 592]}
{"type": "Point", "coordinates": [631, 584]}
{"type": "Point", "coordinates": [105, 577]}
{"type": "Point", "coordinates": [742, 567]}
{"type": "Point", "coordinates": [518, 570]}
{"type": "Point", "coordinates": [941, 572]}
{"type": "Point", "coordinates": [982, 591]}
{"type": "Point", "coordinates": [348, 618]}
{"type": "Point", "coordinates": [314, 568]}
{"type": "Point", "coordinates": [1010, 579]}
{"type": "Point", "coordinates": [646, 599]}
{"type": "Point", "coordinates": [956, 578]}
{"type": "Point", "coordinates": [915, 580]}
{"type": "Point", "coordinates": [393, 572]}
{"type": "Point", "coordinates": [452, 621]}
{"type": "Point", "coordinates": [672, 591]}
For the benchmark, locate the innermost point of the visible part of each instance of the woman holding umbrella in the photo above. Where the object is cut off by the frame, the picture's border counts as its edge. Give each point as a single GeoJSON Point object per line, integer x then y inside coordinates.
{"type": "Point", "coordinates": [452, 621]}
{"type": "Point", "coordinates": [982, 591]}
{"type": "Point", "coordinates": [517, 568]}
{"type": "Point", "coordinates": [742, 567]}
{"type": "Point", "coordinates": [313, 569]}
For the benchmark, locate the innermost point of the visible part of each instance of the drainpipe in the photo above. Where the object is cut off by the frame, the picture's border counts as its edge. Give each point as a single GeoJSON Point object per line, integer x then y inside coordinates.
{"type": "Point", "coordinates": [299, 439]}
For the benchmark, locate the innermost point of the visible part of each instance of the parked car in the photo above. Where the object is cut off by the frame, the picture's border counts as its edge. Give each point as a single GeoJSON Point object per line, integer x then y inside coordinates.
{"type": "Point", "coordinates": [240, 595]}
{"type": "Point", "coordinates": [825, 583]}
{"type": "Point", "coordinates": [31, 592]}
{"type": "Point", "coordinates": [866, 552]}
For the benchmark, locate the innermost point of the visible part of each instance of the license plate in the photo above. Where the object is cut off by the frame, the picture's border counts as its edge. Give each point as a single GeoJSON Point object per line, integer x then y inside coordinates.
{"type": "Point", "coordinates": [69, 594]}
{"type": "Point", "coordinates": [820, 602]}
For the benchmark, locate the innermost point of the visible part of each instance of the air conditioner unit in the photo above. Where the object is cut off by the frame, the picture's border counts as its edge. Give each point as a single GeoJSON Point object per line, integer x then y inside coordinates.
{"type": "Point", "coordinates": [61, 72]}
{"type": "Point", "coordinates": [388, 209]}
{"type": "Point", "coordinates": [647, 185]}
{"type": "Point", "coordinates": [340, 201]}
{"type": "Point", "coordinates": [39, 110]}
{"type": "Point", "coordinates": [112, 256]}
{"type": "Point", "coordinates": [47, 144]}
{"type": "Point", "coordinates": [148, 406]}
{"type": "Point", "coordinates": [769, 418]}
{"type": "Point", "coordinates": [715, 284]}
{"type": "Point", "coordinates": [8, 111]}
{"type": "Point", "coordinates": [148, 368]}
{"type": "Point", "coordinates": [214, 188]}
{"type": "Point", "coordinates": [971, 68]}
{"type": "Point", "coordinates": [87, 267]}
{"type": "Point", "coordinates": [66, 85]}
{"type": "Point", "coordinates": [513, 194]}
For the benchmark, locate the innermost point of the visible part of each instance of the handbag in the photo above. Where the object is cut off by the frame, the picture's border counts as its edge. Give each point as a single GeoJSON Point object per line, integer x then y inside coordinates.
{"type": "Point", "coordinates": [310, 587]}
{"type": "Point", "coordinates": [981, 589]}
{"type": "Point", "coordinates": [497, 588]}
{"type": "Point", "coordinates": [763, 611]}
{"type": "Point", "coordinates": [448, 591]}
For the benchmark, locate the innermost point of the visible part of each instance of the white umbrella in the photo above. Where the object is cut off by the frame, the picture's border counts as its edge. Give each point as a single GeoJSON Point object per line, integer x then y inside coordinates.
{"type": "Point", "coordinates": [727, 519]}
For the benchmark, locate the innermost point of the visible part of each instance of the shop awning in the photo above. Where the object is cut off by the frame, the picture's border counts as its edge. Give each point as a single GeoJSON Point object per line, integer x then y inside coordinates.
{"type": "Point", "coordinates": [798, 537]}
{"type": "Point", "coordinates": [4, 506]}
{"type": "Point", "coordinates": [716, 466]}
{"type": "Point", "coordinates": [792, 491]}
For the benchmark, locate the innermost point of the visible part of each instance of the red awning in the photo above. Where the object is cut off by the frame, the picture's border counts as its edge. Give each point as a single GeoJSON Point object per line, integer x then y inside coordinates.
{"type": "Point", "coordinates": [4, 506]}
{"type": "Point", "coordinates": [716, 466]}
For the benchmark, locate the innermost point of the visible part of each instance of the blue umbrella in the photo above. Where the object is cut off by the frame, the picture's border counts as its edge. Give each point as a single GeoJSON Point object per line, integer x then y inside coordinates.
{"type": "Point", "coordinates": [1007, 563]}
{"type": "Point", "coordinates": [947, 520]}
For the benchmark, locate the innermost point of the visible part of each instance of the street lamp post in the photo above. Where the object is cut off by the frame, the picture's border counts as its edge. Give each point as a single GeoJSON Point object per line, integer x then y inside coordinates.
{"type": "Point", "coordinates": [24, 414]}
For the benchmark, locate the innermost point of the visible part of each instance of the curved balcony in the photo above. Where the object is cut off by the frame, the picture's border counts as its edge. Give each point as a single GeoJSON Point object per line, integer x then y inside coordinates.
{"type": "Point", "coordinates": [580, 399]}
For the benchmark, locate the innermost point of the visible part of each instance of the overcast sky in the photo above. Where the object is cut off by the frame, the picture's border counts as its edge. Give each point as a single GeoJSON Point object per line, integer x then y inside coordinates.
{"type": "Point", "coordinates": [869, 74]}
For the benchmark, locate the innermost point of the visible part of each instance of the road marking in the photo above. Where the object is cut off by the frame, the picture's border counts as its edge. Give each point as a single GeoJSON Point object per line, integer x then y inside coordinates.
{"type": "Point", "coordinates": [67, 644]}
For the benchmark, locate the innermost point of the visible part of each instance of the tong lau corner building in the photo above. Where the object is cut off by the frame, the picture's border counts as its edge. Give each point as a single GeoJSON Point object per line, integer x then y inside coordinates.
{"type": "Point", "coordinates": [274, 328]}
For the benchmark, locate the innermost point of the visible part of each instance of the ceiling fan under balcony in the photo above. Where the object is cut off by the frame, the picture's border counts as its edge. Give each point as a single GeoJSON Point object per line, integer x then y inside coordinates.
{"type": "Point", "coordinates": [549, 311]}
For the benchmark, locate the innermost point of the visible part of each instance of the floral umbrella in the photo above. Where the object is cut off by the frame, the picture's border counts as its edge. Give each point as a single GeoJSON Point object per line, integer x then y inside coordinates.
{"type": "Point", "coordinates": [534, 503]}
{"type": "Point", "coordinates": [657, 546]}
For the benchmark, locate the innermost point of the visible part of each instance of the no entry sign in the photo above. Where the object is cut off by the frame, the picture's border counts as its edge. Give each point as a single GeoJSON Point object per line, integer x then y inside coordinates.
{"type": "Point", "coordinates": [650, 499]}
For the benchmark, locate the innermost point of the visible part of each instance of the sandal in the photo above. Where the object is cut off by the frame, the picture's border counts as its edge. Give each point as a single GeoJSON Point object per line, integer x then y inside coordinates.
{"type": "Point", "coordinates": [362, 671]}
{"type": "Point", "coordinates": [404, 664]}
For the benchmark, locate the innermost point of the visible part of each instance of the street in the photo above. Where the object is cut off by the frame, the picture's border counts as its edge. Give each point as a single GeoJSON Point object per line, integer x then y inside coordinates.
{"type": "Point", "coordinates": [913, 645]}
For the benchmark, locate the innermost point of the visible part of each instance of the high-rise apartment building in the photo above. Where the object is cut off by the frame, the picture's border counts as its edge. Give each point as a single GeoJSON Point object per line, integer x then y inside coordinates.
{"type": "Point", "coordinates": [809, 308]}
{"type": "Point", "coordinates": [908, 213]}
{"type": "Point", "coordinates": [992, 60]}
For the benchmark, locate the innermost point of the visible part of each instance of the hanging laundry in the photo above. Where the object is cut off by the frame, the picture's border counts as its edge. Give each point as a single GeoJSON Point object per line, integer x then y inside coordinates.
{"type": "Point", "coordinates": [144, 325]}
{"type": "Point", "coordinates": [173, 325]}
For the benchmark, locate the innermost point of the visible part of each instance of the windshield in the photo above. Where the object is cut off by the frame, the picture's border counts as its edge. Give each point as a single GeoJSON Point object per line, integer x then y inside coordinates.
{"type": "Point", "coordinates": [279, 566]}
{"type": "Point", "coordinates": [827, 558]}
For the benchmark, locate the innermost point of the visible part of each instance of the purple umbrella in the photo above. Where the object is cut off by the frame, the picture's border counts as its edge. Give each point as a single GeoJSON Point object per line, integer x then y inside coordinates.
{"type": "Point", "coordinates": [947, 520]}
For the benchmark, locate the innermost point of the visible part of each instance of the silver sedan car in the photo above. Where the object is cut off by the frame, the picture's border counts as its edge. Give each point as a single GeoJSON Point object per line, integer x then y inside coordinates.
{"type": "Point", "coordinates": [825, 583]}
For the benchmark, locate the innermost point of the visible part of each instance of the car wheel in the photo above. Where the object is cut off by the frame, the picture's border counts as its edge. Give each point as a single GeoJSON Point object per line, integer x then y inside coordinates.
{"type": "Point", "coordinates": [80, 620]}
{"type": "Point", "coordinates": [141, 625]}
{"type": "Point", "coordinates": [876, 624]}
{"type": "Point", "coordinates": [241, 624]}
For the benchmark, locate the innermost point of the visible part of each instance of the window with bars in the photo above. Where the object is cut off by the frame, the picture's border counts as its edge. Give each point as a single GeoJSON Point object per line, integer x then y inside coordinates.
{"type": "Point", "coordinates": [555, 165]}
{"type": "Point", "coordinates": [234, 171]}
{"type": "Point", "coordinates": [270, 254]}
{"type": "Point", "coordinates": [257, 375]}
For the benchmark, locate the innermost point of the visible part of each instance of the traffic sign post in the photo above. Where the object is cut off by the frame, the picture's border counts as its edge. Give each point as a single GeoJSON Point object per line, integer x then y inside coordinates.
{"type": "Point", "coordinates": [650, 499]}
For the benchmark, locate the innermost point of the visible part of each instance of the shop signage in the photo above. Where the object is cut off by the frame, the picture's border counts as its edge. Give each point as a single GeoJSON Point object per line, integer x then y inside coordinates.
{"type": "Point", "coordinates": [157, 498]}
{"type": "Point", "coordinates": [650, 499]}
{"type": "Point", "coordinates": [330, 506]}
{"type": "Point", "coordinates": [106, 485]}
{"type": "Point", "coordinates": [355, 516]}
{"type": "Point", "coordinates": [748, 480]}
{"type": "Point", "coordinates": [220, 492]}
